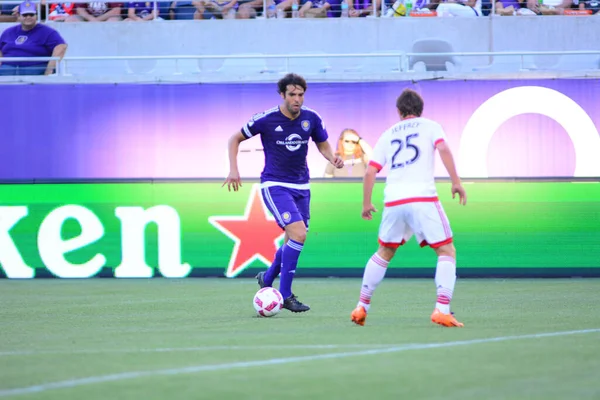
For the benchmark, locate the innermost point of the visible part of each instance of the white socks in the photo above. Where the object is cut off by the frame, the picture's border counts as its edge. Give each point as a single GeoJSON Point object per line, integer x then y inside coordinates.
{"type": "Point", "coordinates": [445, 279]}
{"type": "Point", "coordinates": [373, 275]}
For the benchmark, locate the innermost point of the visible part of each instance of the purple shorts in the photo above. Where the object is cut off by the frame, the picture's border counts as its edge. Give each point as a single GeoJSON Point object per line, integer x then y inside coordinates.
{"type": "Point", "coordinates": [287, 205]}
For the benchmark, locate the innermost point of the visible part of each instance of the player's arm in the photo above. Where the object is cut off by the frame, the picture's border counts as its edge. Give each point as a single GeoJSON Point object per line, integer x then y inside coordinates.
{"type": "Point", "coordinates": [448, 161]}
{"type": "Point", "coordinates": [233, 180]}
{"type": "Point", "coordinates": [319, 136]}
{"type": "Point", "coordinates": [375, 165]}
{"type": "Point", "coordinates": [368, 184]}
{"type": "Point", "coordinates": [325, 149]}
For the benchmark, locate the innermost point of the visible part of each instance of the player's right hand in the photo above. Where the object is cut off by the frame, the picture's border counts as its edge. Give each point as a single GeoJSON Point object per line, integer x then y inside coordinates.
{"type": "Point", "coordinates": [462, 194]}
{"type": "Point", "coordinates": [233, 181]}
{"type": "Point", "coordinates": [367, 212]}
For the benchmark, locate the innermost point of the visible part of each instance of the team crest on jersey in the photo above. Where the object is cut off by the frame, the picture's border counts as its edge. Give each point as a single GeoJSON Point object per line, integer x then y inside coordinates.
{"type": "Point", "coordinates": [286, 216]}
{"type": "Point", "coordinates": [305, 125]}
{"type": "Point", "coordinates": [21, 39]}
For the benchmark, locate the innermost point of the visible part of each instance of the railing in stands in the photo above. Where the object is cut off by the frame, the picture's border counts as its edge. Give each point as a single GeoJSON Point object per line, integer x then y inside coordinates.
{"type": "Point", "coordinates": [403, 60]}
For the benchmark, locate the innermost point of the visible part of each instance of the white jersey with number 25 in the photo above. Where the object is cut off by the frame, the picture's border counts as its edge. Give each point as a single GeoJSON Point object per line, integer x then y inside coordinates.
{"type": "Point", "coordinates": [408, 150]}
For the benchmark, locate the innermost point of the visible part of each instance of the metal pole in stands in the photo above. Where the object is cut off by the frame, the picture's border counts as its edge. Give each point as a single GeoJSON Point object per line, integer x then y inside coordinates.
{"type": "Point", "coordinates": [382, 8]}
{"type": "Point", "coordinates": [265, 9]}
{"type": "Point", "coordinates": [155, 10]}
{"type": "Point", "coordinates": [58, 65]}
{"type": "Point", "coordinates": [63, 67]}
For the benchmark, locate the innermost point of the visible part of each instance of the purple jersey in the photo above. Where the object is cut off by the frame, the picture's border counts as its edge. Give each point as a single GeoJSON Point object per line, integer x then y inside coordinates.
{"type": "Point", "coordinates": [37, 42]}
{"type": "Point", "coordinates": [508, 3]}
{"type": "Point", "coordinates": [285, 143]}
{"type": "Point", "coordinates": [142, 8]}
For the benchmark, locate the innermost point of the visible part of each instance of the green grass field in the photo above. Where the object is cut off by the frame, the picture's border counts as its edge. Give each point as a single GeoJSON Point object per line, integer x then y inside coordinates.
{"type": "Point", "coordinates": [199, 339]}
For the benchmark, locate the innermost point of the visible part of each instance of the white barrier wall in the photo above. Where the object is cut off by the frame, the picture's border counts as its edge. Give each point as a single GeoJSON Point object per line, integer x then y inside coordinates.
{"type": "Point", "coordinates": [329, 36]}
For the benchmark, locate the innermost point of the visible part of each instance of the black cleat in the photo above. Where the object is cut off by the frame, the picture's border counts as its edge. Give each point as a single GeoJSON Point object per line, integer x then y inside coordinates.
{"type": "Point", "coordinates": [292, 304]}
{"type": "Point", "coordinates": [261, 279]}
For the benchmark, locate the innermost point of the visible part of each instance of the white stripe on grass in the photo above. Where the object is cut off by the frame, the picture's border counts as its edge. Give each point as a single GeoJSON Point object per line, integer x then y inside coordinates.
{"type": "Point", "coordinates": [6, 353]}
{"type": "Point", "coordinates": [71, 383]}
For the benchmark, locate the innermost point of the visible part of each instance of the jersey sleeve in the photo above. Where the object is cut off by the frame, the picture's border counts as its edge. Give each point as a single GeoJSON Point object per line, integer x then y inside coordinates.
{"type": "Point", "coordinates": [379, 153]}
{"type": "Point", "coordinates": [319, 133]}
{"type": "Point", "coordinates": [3, 39]}
{"type": "Point", "coordinates": [254, 126]}
{"type": "Point", "coordinates": [437, 135]}
{"type": "Point", "coordinates": [54, 39]}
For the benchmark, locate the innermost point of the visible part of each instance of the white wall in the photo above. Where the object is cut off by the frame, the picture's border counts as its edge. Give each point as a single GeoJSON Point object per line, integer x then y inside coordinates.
{"type": "Point", "coordinates": [295, 36]}
{"type": "Point", "coordinates": [330, 35]}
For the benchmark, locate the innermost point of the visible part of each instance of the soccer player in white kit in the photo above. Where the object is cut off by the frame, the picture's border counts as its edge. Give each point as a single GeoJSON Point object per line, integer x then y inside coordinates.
{"type": "Point", "coordinates": [411, 203]}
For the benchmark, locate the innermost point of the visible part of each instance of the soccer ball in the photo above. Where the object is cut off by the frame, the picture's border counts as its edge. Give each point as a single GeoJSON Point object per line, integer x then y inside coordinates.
{"type": "Point", "coordinates": [268, 302]}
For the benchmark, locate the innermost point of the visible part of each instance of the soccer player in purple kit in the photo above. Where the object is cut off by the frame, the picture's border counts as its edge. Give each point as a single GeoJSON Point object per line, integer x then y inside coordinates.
{"type": "Point", "coordinates": [285, 131]}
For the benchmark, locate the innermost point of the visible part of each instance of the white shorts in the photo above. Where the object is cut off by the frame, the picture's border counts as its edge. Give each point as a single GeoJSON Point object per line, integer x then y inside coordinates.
{"type": "Point", "coordinates": [426, 220]}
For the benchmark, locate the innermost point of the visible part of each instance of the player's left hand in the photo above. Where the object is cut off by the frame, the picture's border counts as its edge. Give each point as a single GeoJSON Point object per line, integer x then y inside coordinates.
{"type": "Point", "coordinates": [233, 181]}
{"type": "Point", "coordinates": [338, 162]}
{"type": "Point", "coordinates": [462, 194]}
{"type": "Point", "coordinates": [367, 212]}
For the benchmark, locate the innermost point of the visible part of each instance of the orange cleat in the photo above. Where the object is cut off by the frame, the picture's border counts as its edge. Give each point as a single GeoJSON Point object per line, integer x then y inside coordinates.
{"type": "Point", "coordinates": [447, 320]}
{"type": "Point", "coordinates": [359, 315]}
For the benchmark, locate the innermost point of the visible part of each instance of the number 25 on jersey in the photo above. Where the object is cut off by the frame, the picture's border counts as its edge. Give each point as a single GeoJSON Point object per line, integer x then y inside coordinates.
{"type": "Point", "coordinates": [402, 155]}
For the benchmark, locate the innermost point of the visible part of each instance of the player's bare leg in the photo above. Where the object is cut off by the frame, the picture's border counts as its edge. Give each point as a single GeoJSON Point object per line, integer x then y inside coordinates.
{"type": "Point", "coordinates": [445, 279]}
{"type": "Point", "coordinates": [296, 232]}
{"type": "Point", "coordinates": [374, 273]}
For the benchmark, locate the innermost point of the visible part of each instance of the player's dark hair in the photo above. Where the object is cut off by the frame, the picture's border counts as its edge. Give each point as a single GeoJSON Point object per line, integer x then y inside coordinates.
{"type": "Point", "coordinates": [410, 103]}
{"type": "Point", "coordinates": [290, 79]}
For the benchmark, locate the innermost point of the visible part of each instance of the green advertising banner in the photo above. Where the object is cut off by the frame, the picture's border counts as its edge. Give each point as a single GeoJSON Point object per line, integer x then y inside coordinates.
{"type": "Point", "coordinates": [200, 229]}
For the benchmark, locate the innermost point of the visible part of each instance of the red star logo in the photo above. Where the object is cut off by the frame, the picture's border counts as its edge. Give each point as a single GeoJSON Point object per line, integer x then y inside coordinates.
{"type": "Point", "coordinates": [256, 234]}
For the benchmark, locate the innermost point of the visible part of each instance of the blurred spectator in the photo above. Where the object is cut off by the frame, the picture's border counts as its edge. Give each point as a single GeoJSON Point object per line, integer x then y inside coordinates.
{"type": "Point", "coordinates": [459, 8]}
{"type": "Point", "coordinates": [218, 9]}
{"type": "Point", "coordinates": [486, 7]}
{"type": "Point", "coordinates": [315, 9]}
{"type": "Point", "coordinates": [61, 12]}
{"type": "Point", "coordinates": [282, 8]}
{"type": "Point", "coordinates": [549, 7]}
{"type": "Point", "coordinates": [30, 39]}
{"type": "Point", "coordinates": [163, 9]}
{"type": "Point", "coordinates": [593, 5]}
{"type": "Point", "coordinates": [184, 10]}
{"type": "Point", "coordinates": [356, 154]}
{"type": "Point", "coordinates": [141, 11]}
{"type": "Point", "coordinates": [98, 11]}
{"type": "Point", "coordinates": [8, 13]}
{"type": "Point", "coordinates": [249, 8]}
{"type": "Point", "coordinates": [361, 8]}
{"type": "Point", "coordinates": [513, 7]}
{"type": "Point", "coordinates": [398, 9]}
{"type": "Point", "coordinates": [423, 5]}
